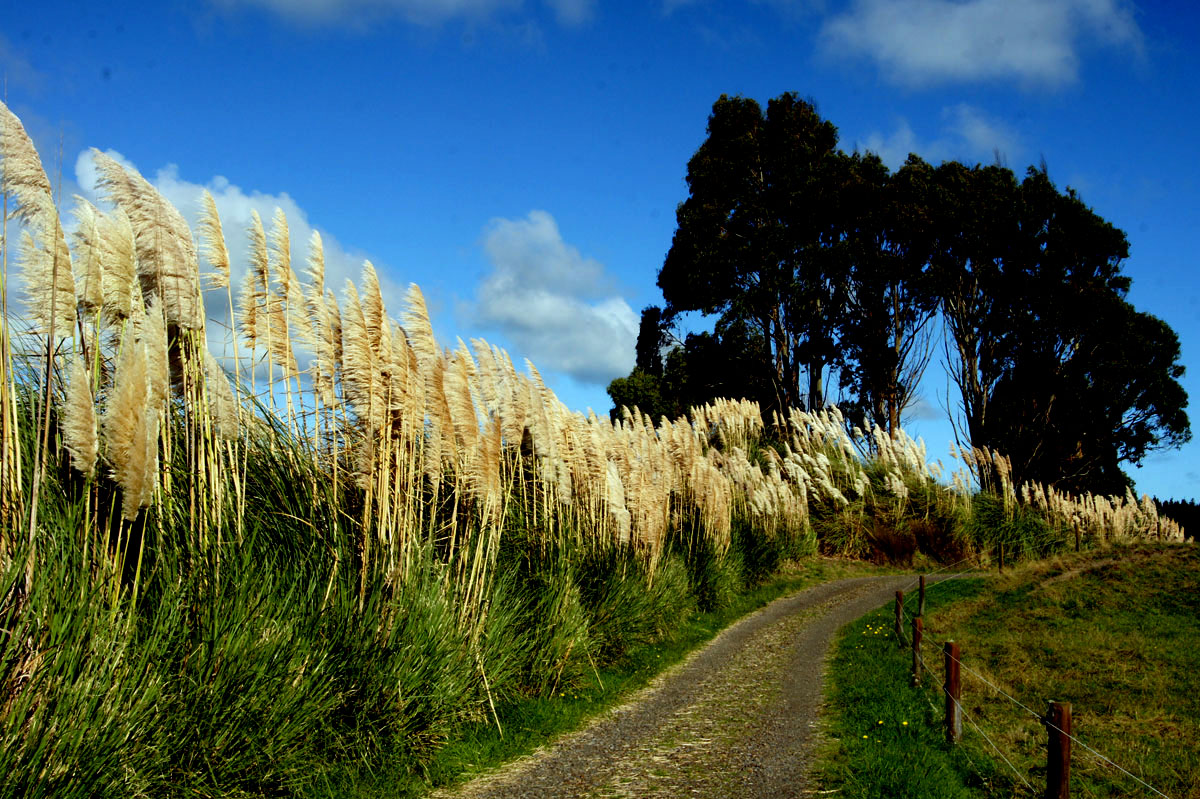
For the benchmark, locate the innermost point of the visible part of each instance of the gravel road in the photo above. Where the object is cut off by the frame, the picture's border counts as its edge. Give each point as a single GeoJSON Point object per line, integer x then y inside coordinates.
{"type": "Point", "coordinates": [736, 719]}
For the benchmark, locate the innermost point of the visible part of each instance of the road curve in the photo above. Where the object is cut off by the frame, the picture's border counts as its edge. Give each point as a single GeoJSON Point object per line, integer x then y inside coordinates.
{"type": "Point", "coordinates": [735, 719]}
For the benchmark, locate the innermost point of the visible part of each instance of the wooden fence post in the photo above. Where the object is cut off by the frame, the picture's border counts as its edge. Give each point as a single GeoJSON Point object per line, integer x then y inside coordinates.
{"type": "Point", "coordinates": [900, 619]}
{"type": "Point", "coordinates": [1058, 751]}
{"type": "Point", "coordinates": [953, 690]}
{"type": "Point", "coordinates": [1077, 539]}
{"type": "Point", "coordinates": [918, 634]}
{"type": "Point", "coordinates": [921, 600]}
{"type": "Point", "coordinates": [1002, 557]}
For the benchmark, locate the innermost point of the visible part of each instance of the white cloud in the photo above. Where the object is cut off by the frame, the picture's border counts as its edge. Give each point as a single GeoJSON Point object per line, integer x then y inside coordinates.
{"type": "Point", "coordinates": [894, 147]}
{"type": "Point", "coordinates": [559, 308]}
{"type": "Point", "coordinates": [356, 13]}
{"type": "Point", "coordinates": [980, 134]}
{"type": "Point", "coordinates": [572, 12]}
{"type": "Point", "coordinates": [919, 42]}
{"type": "Point", "coordinates": [968, 135]}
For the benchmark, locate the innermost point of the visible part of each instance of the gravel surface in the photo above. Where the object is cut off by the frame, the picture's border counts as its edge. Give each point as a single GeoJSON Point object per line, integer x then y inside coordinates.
{"type": "Point", "coordinates": [736, 719]}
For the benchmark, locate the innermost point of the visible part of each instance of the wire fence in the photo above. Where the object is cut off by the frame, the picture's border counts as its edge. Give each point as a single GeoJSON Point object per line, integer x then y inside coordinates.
{"type": "Point", "coordinates": [903, 614]}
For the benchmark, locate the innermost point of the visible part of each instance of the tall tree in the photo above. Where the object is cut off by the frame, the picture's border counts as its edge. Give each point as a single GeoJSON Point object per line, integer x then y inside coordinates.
{"type": "Point", "coordinates": [755, 235]}
{"type": "Point", "coordinates": [886, 303]}
{"type": "Point", "coordinates": [728, 362]}
{"type": "Point", "coordinates": [1054, 367]}
{"type": "Point", "coordinates": [653, 335]}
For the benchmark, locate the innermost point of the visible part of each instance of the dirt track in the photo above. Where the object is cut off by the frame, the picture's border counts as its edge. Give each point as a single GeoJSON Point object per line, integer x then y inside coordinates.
{"type": "Point", "coordinates": [736, 719]}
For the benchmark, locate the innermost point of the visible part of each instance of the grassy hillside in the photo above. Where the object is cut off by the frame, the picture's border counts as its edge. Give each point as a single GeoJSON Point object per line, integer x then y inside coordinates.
{"type": "Point", "coordinates": [1111, 631]}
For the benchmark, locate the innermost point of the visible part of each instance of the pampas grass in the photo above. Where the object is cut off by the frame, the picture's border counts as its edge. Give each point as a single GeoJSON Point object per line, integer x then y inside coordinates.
{"type": "Point", "coordinates": [166, 258]}
{"type": "Point", "coordinates": [131, 428]}
{"type": "Point", "coordinates": [213, 242]}
{"type": "Point", "coordinates": [49, 286]}
{"type": "Point", "coordinates": [89, 260]}
{"type": "Point", "coordinates": [79, 418]}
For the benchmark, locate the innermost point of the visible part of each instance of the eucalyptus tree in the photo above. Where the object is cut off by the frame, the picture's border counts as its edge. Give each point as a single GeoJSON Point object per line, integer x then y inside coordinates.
{"type": "Point", "coordinates": [756, 235]}
{"type": "Point", "coordinates": [1054, 367]}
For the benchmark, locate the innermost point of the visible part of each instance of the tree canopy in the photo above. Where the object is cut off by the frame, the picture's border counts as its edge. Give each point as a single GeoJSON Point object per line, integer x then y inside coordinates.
{"type": "Point", "coordinates": [816, 262]}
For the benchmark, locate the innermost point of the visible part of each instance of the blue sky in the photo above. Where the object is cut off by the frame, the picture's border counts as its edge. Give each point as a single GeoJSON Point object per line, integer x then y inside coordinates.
{"type": "Point", "coordinates": [521, 160]}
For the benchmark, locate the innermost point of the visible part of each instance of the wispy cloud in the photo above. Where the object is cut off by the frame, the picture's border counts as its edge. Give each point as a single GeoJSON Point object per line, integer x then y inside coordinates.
{"type": "Point", "coordinates": [980, 134]}
{"type": "Point", "coordinates": [572, 12]}
{"type": "Point", "coordinates": [17, 69]}
{"type": "Point", "coordinates": [357, 13]}
{"type": "Point", "coordinates": [557, 307]}
{"type": "Point", "coordinates": [1037, 42]}
{"type": "Point", "coordinates": [967, 134]}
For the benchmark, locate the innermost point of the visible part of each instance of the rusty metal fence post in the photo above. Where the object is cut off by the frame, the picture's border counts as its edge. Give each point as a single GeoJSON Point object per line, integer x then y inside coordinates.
{"type": "Point", "coordinates": [1058, 751]}
{"type": "Point", "coordinates": [918, 633]}
{"type": "Point", "coordinates": [953, 689]}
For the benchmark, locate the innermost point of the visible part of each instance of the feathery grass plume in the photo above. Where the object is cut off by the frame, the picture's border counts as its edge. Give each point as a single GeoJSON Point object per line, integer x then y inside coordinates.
{"type": "Point", "coordinates": [130, 429]}
{"type": "Point", "coordinates": [279, 249]}
{"type": "Point", "coordinates": [335, 326]}
{"type": "Point", "coordinates": [248, 305]}
{"type": "Point", "coordinates": [23, 178]}
{"type": "Point", "coordinates": [514, 413]}
{"type": "Point", "coordinates": [316, 265]}
{"type": "Point", "coordinates": [118, 256]}
{"type": "Point", "coordinates": [487, 378]}
{"type": "Point", "coordinates": [374, 313]}
{"type": "Point", "coordinates": [320, 323]}
{"type": "Point", "coordinates": [290, 292]}
{"type": "Point", "coordinates": [463, 415]}
{"type": "Point", "coordinates": [213, 242]}
{"type": "Point", "coordinates": [49, 286]}
{"type": "Point", "coordinates": [437, 406]}
{"type": "Point", "coordinates": [415, 321]}
{"type": "Point", "coordinates": [88, 256]}
{"type": "Point", "coordinates": [152, 331]}
{"type": "Point", "coordinates": [167, 263]}
{"type": "Point", "coordinates": [79, 418]}
{"type": "Point", "coordinates": [280, 339]}
{"type": "Point", "coordinates": [222, 405]}
{"type": "Point", "coordinates": [359, 369]}
{"type": "Point", "coordinates": [440, 439]}
{"type": "Point", "coordinates": [402, 376]}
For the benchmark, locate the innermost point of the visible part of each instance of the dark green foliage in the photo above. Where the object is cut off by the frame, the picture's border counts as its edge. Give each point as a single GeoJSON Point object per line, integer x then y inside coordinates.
{"type": "Point", "coordinates": [627, 610]}
{"type": "Point", "coordinates": [1185, 513]}
{"type": "Point", "coordinates": [1023, 533]}
{"type": "Point", "coordinates": [754, 236]}
{"type": "Point", "coordinates": [645, 392]}
{"type": "Point", "coordinates": [1054, 367]}
{"type": "Point", "coordinates": [761, 554]}
{"type": "Point", "coordinates": [715, 578]}
{"type": "Point", "coordinates": [728, 362]}
{"type": "Point", "coordinates": [653, 335]}
{"type": "Point", "coordinates": [813, 260]}
{"type": "Point", "coordinates": [885, 301]}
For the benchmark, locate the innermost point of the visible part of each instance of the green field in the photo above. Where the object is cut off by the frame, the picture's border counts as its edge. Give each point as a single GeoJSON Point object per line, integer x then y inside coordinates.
{"type": "Point", "coordinates": [1111, 631]}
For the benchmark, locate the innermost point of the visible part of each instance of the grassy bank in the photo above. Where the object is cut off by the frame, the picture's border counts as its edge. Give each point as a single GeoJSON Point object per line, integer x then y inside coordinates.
{"type": "Point", "coordinates": [1111, 631]}
{"type": "Point", "coordinates": [528, 723]}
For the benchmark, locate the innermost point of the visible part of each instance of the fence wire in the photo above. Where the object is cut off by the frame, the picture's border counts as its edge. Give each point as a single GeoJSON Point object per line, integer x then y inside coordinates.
{"type": "Point", "coordinates": [1001, 692]}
